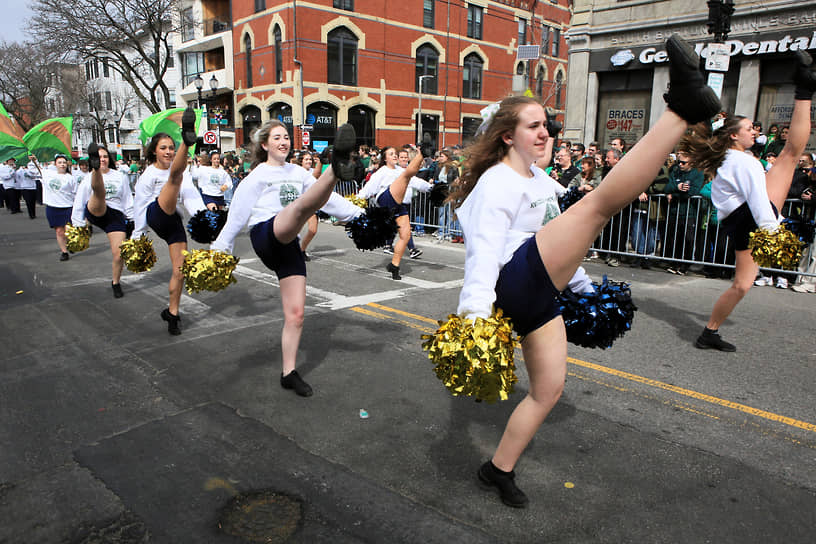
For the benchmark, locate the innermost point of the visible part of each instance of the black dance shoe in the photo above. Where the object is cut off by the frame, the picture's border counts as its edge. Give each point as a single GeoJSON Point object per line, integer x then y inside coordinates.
{"type": "Point", "coordinates": [711, 340]}
{"type": "Point", "coordinates": [173, 322]}
{"type": "Point", "coordinates": [344, 142]}
{"type": "Point", "coordinates": [64, 256]}
{"type": "Point", "coordinates": [117, 287]}
{"type": "Point", "coordinates": [294, 381]}
{"type": "Point", "coordinates": [505, 483]}
{"type": "Point", "coordinates": [553, 126]}
{"type": "Point", "coordinates": [805, 76]}
{"type": "Point", "coordinates": [93, 156]}
{"type": "Point", "coordinates": [688, 96]}
{"type": "Point", "coordinates": [395, 275]}
{"type": "Point", "coordinates": [188, 132]}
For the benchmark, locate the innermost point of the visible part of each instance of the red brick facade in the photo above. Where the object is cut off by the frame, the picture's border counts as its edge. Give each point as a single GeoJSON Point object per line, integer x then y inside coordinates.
{"type": "Point", "coordinates": [388, 35]}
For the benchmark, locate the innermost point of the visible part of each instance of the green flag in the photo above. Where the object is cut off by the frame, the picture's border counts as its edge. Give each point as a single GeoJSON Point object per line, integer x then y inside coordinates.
{"type": "Point", "coordinates": [169, 122]}
{"type": "Point", "coordinates": [11, 143]}
{"type": "Point", "coordinates": [50, 137]}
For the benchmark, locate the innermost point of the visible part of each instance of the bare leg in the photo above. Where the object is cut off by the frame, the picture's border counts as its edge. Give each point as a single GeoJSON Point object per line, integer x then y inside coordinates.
{"type": "Point", "coordinates": [545, 355]}
{"type": "Point", "coordinates": [116, 238]}
{"type": "Point", "coordinates": [176, 279]}
{"type": "Point", "coordinates": [564, 241]}
{"type": "Point", "coordinates": [293, 298]}
{"type": "Point", "coordinates": [310, 233]}
{"type": "Point", "coordinates": [291, 219]}
{"type": "Point", "coordinates": [400, 185]}
{"type": "Point", "coordinates": [62, 241]}
{"type": "Point", "coordinates": [96, 203]}
{"type": "Point", "coordinates": [404, 224]}
{"type": "Point", "coordinates": [778, 179]}
{"type": "Point", "coordinates": [743, 280]}
{"type": "Point", "coordinates": [168, 197]}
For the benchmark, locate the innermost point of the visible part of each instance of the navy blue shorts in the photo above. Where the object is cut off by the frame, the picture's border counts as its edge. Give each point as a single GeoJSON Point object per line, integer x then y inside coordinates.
{"type": "Point", "coordinates": [57, 217]}
{"type": "Point", "coordinates": [283, 259]}
{"type": "Point", "coordinates": [525, 292]}
{"type": "Point", "coordinates": [739, 224]}
{"type": "Point", "coordinates": [112, 221]}
{"type": "Point", "coordinates": [386, 200]}
{"type": "Point", "coordinates": [217, 200]}
{"type": "Point", "coordinates": [168, 227]}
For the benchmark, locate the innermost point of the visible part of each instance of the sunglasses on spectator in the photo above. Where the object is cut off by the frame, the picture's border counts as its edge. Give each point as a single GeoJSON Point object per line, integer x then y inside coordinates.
{"type": "Point", "coordinates": [682, 162]}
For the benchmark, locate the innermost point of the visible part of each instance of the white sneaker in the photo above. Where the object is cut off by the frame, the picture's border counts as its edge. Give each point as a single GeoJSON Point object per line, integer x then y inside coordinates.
{"type": "Point", "coordinates": [804, 288]}
{"type": "Point", "coordinates": [781, 283]}
{"type": "Point", "coordinates": [763, 281]}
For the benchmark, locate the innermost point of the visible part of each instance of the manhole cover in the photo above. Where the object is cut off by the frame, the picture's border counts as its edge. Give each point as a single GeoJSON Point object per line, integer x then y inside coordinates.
{"type": "Point", "coordinates": [261, 516]}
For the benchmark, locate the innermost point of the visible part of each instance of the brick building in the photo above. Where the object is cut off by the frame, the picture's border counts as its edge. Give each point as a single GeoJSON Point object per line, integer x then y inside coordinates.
{"type": "Point", "coordinates": [323, 63]}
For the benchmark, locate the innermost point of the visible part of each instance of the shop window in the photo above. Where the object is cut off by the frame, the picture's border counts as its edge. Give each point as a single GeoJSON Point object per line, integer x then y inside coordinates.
{"type": "Point", "coordinates": [251, 121]}
{"type": "Point", "coordinates": [283, 113]}
{"type": "Point", "coordinates": [342, 57]}
{"type": "Point", "coordinates": [427, 63]}
{"type": "Point", "coordinates": [278, 56]}
{"type": "Point", "coordinates": [323, 117]}
{"type": "Point", "coordinates": [428, 13]}
{"type": "Point", "coordinates": [622, 114]}
{"type": "Point", "coordinates": [474, 22]}
{"type": "Point", "coordinates": [472, 77]}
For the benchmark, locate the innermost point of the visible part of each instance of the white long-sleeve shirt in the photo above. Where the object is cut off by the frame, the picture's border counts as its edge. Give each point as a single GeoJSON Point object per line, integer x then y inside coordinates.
{"type": "Point", "coordinates": [740, 179]}
{"type": "Point", "coordinates": [382, 179]}
{"type": "Point", "coordinates": [149, 186]}
{"type": "Point", "coordinates": [265, 192]}
{"type": "Point", "coordinates": [117, 196]}
{"type": "Point", "coordinates": [210, 180]}
{"type": "Point", "coordinates": [503, 210]}
{"type": "Point", "coordinates": [7, 177]}
{"type": "Point", "coordinates": [26, 178]}
{"type": "Point", "coordinates": [59, 190]}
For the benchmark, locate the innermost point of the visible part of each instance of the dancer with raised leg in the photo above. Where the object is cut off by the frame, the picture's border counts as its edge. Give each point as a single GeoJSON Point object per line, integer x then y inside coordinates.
{"type": "Point", "coordinates": [277, 198]}
{"type": "Point", "coordinates": [746, 197]}
{"type": "Point", "coordinates": [518, 265]}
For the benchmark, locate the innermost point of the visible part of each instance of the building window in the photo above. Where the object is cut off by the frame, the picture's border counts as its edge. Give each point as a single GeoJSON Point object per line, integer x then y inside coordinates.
{"type": "Point", "coordinates": [342, 57]}
{"type": "Point", "coordinates": [347, 5]}
{"type": "Point", "coordinates": [111, 135]}
{"type": "Point", "coordinates": [469, 127]}
{"type": "Point", "coordinates": [472, 77]}
{"type": "Point", "coordinates": [260, 5]}
{"type": "Point", "coordinates": [545, 39]}
{"type": "Point", "coordinates": [91, 69]}
{"type": "Point", "coordinates": [192, 65]}
{"type": "Point", "coordinates": [474, 22]}
{"type": "Point", "coordinates": [172, 103]}
{"type": "Point", "coordinates": [540, 82]}
{"type": "Point", "coordinates": [248, 49]}
{"type": "Point", "coordinates": [108, 101]}
{"type": "Point", "coordinates": [187, 25]}
{"type": "Point", "coordinates": [105, 67]}
{"type": "Point", "coordinates": [427, 62]}
{"type": "Point", "coordinates": [556, 41]}
{"type": "Point", "coordinates": [278, 56]}
{"type": "Point", "coordinates": [522, 32]}
{"type": "Point", "coordinates": [428, 13]}
{"type": "Point", "coordinates": [171, 58]}
{"type": "Point", "coordinates": [520, 69]}
{"type": "Point", "coordinates": [559, 80]}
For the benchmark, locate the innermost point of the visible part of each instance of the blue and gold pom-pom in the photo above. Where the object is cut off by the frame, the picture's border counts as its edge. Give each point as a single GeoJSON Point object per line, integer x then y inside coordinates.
{"type": "Point", "coordinates": [801, 226]}
{"type": "Point", "coordinates": [595, 320]}
{"type": "Point", "coordinates": [374, 228]}
{"type": "Point", "coordinates": [208, 270]}
{"type": "Point", "coordinates": [79, 238]}
{"type": "Point", "coordinates": [205, 225]}
{"type": "Point", "coordinates": [357, 201]}
{"type": "Point", "coordinates": [474, 359]}
{"type": "Point", "coordinates": [569, 198]}
{"type": "Point", "coordinates": [775, 248]}
{"type": "Point", "coordinates": [138, 254]}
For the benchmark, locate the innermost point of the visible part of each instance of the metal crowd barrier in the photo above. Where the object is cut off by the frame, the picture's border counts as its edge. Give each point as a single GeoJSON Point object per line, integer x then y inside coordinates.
{"type": "Point", "coordinates": [679, 232]}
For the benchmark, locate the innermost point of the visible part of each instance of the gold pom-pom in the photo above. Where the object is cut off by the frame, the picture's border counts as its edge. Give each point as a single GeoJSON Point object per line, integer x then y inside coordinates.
{"type": "Point", "coordinates": [775, 249]}
{"type": "Point", "coordinates": [208, 270]}
{"type": "Point", "coordinates": [474, 359]}
{"type": "Point", "coordinates": [79, 238]}
{"type": "Point", "coordinates": [357, 201]}
{"type": "Point", "coordinates": [138, 255]}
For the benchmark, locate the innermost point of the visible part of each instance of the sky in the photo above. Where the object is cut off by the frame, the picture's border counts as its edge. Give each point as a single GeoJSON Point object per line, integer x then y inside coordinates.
{"type": "Point", "coordinates": [13, 21]}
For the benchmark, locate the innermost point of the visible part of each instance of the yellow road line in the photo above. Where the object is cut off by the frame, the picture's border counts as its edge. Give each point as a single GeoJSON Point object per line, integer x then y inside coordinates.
{"type": "Point", "coordinates": [804, 425]}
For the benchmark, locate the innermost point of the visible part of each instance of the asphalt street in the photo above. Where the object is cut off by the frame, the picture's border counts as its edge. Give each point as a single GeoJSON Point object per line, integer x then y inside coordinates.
{"type": "Point", "coordinates": [114, 431]}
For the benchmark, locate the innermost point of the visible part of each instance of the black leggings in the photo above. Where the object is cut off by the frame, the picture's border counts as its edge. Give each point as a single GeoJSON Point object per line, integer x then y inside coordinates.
{"type": "Point", "coordinates": [30, 197]}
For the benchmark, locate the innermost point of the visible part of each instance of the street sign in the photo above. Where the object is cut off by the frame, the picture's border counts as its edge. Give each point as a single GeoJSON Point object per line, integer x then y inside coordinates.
{"type": "Point", "coordinates": [210, 137]}
{"type": "Point", "coordinates": [719, 55]}
{"type": "Point", "coordinates": [305, 138]}
{"type": "Point", "coordinates": [528, 52]}
{"type": "Point", "coordinates": [307, 127]}
{"type": "Point", "coordinates": [715, 81]}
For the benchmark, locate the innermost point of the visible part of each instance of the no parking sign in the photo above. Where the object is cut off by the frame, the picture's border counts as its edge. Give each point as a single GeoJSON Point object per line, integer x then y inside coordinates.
{"type": "Point", "coordinates": [210, 137]}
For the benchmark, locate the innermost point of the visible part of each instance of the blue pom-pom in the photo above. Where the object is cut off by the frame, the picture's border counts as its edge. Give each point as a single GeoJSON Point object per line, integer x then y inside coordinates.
{"type": "Point", "coordinates": [205, 225]}
{"type": "Point", "coordinates": [376, 227]}
{"type": "Point", "coordinates": [595, 320]}
{"type": "Point", "coordinates": [569, 198]}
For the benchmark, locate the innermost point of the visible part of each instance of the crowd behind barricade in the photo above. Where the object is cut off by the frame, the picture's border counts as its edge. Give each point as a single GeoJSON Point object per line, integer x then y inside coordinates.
{"type": "Point", "coordinates": [672, 226]}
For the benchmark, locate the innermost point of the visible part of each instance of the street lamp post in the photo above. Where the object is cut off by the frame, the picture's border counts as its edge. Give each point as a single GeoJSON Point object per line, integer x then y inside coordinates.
{"type": "Point", "coordinates": [216, 113]}
{"type": "Point", "coordinates": [419, 125]}
{"type": "Point", "coordinates": [199, 84]}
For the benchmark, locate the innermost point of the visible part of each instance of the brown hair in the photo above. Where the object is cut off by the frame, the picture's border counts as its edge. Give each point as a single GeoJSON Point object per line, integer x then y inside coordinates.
{"type": "Point", "coordinates": [488, 148]}
{"type": "Point", "coordinates": [591, 172]}
{"type": "Point", "coordinates": [706, 150]}
{"type": "Point", "coordinates": [259, 137]}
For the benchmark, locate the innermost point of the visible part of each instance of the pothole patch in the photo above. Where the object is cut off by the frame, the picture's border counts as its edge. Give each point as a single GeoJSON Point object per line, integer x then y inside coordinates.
{"type": "Point", "coordinates": [262, 516]}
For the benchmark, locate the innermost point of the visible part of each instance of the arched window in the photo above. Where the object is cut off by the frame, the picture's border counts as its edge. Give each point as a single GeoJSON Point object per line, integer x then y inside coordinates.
{"type": "Point", "coordinates": [363, 118]}
{"type": "Point", "coordinates": [540, 81]}
{"type": "Point", "coordinates": [427, 63]}
{"type": "Point", "coordinates": [278, 56]}
{"type": "Point", "coordinates": [323, 118]}
{"type": "Point", "coordinates": [248, 49]}
{"type": "Point", "coordinates": [342, 57]}
{"type": "Point", "coordinates": [472, 77]}
{"type": "Point", "coordinates": [283, 113]}
{"type": "Point", "coordinates": [251, 121]}
{"type": "Point", "coordinates": [559, 80]}
{"type": "Point", "coordinates": [520, 69]}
